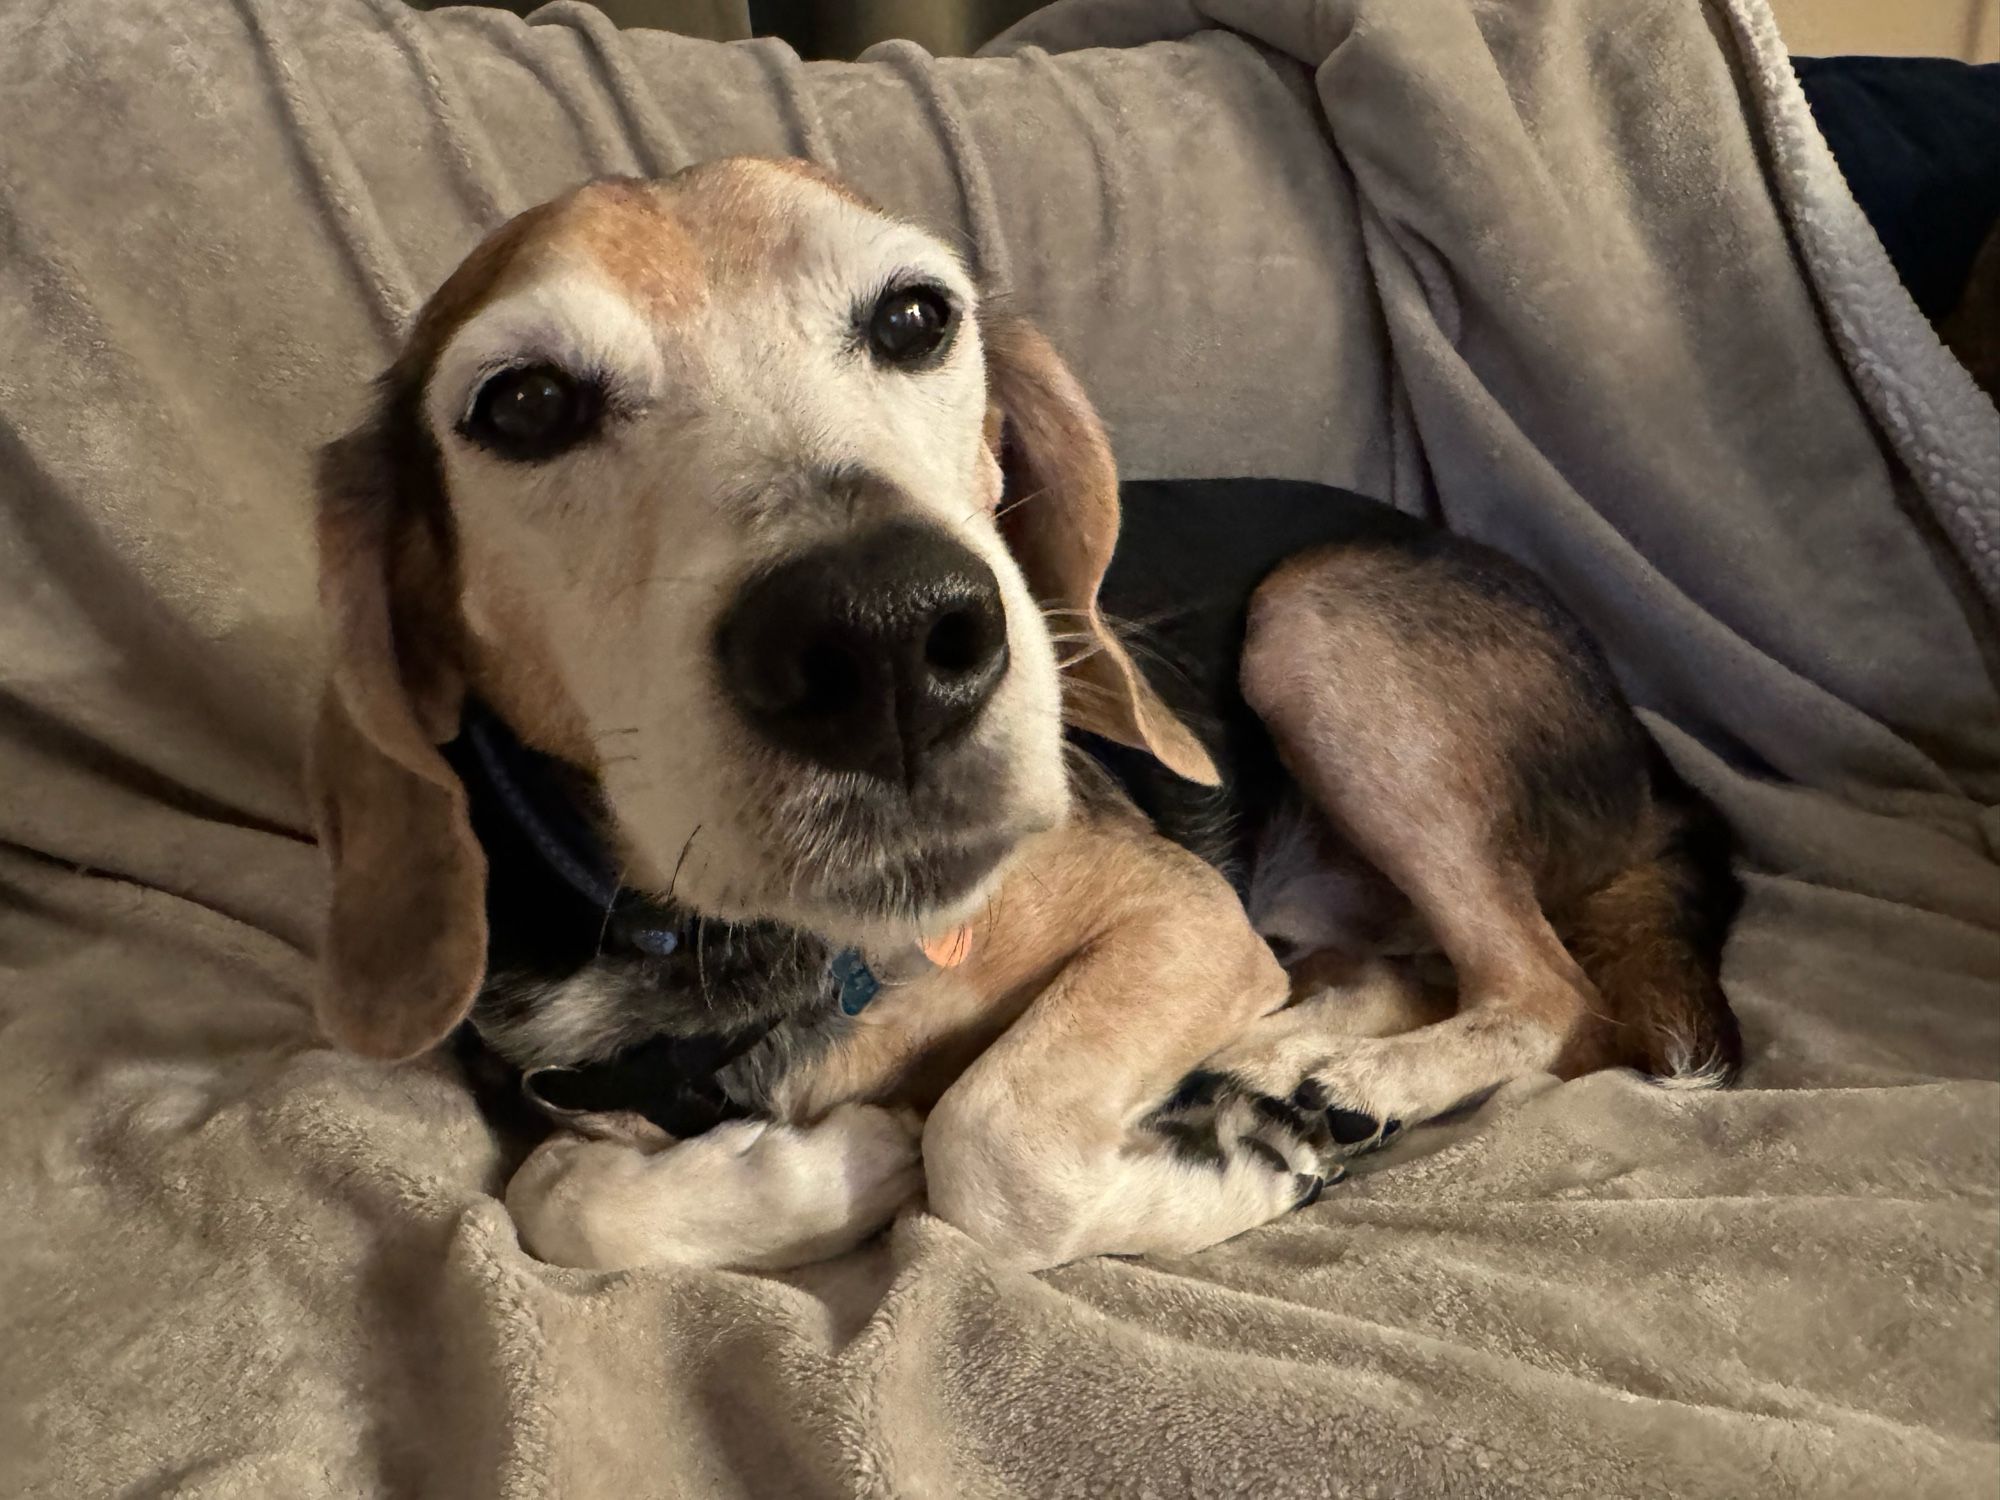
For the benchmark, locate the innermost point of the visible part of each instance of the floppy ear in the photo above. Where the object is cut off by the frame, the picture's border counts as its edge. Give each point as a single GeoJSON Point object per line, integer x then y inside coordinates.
{"type": "Point", "coordinates": [405, 946]}
{"type": "Point", "coordinates": [1062, 528]}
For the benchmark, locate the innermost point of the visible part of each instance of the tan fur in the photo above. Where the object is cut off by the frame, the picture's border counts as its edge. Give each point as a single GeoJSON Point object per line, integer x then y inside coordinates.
{"type": "Point", "coordinates": [1328, 676]}
{"type": "Point", "coordinates": [1065, 463]}
{"type": "Point", "coordinates": [1399, 710]}
{"type": "Point", "coordinates": [404, 957]}
{"type": "Point", "coordinates": [1106, 963]}
{"type": "Point", "coordinates": [524, 684]}
{"type": "Point", "coordinates": [1663, 1003]}
{"type": "Point", "coordinates": [405, 578]}
{"type": "Point", "coordinates": [1110, 964]}
{"type": "Point", "coordinates": [1375, 997]}
{"type": "Point", "coordinates": [1178, 973]}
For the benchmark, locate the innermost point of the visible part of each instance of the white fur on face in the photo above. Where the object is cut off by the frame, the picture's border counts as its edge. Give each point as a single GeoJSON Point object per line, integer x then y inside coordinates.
{"type": "Point", "coordinates": [727, 417]}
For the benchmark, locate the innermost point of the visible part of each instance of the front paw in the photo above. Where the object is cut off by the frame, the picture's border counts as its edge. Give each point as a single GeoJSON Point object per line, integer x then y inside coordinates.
{"type": "Point", "coordinates": [1313, 1107]}
{"type": "Point", "coordinates": [749, 1194]}
{"type": "Point", "coordinates": [857, 1167]}
{"type": "Point", "coordinates": [1213, 1120]}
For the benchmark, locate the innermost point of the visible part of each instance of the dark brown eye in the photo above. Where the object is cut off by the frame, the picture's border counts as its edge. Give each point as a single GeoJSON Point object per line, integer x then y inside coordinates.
{"type": "Point", "coordinates": [533, 412]}
{"type": "Point", "coordinates": [911, 324]}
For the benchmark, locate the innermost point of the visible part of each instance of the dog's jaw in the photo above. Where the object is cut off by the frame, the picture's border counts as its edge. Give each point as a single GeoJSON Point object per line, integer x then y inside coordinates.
{"type": "Point", "coordinates": [595, 581]}
{"type": "Point", "coordinates": [738, 830]}
{"type": "Point", "coordinates": [865, 870]}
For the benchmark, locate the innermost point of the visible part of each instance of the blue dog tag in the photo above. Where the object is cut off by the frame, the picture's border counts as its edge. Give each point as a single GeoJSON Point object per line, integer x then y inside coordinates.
{"type": "Point", "coordinates": [858, 984]}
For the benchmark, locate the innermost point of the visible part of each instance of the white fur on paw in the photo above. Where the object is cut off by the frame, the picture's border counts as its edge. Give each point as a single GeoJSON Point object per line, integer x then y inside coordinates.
{"type": "Point", "coordinates": [748, 1194]}
{"type": "Point", "coordinates": [1214, 1168]}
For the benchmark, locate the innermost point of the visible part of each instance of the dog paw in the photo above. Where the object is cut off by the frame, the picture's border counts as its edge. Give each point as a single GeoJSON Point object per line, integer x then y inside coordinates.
{"type": "Point", "coordinates": [750, 1194]}
{"type": "Point", "coordinates": [1307, 1108]}
{"type": "Point", "coordinates": [1212, 1120]}
{"type": "Point", "coordinates": [1353, 1129]}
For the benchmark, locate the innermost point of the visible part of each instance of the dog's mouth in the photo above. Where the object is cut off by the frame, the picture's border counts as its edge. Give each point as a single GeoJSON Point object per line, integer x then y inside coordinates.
{"type": "Point", "coordinates": [874, 859]}
{"type": "Point", "coordinates": [856, 859]}
{"type": "Point", "coordinates": [918, 888]}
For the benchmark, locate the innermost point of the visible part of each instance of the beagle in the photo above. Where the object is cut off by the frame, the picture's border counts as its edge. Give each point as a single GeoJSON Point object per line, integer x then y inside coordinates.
{"type": "Point", "coordinates": [726, 738]}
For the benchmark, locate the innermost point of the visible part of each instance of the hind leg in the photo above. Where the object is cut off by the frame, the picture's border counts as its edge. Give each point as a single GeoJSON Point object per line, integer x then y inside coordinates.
{"type": "Point", "coordinates": [1456, 731]}
{"type": "Point", "coordinates": [1651, 940]}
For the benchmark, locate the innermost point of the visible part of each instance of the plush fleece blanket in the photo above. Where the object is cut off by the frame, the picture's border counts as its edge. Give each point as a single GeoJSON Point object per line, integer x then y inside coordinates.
{"type": "Point", "coordinates": [1574, 276]}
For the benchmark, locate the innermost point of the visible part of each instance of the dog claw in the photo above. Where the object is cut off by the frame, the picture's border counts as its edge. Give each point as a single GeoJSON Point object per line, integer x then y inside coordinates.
{"type": "Point", "coordinates": [1312, 1184]}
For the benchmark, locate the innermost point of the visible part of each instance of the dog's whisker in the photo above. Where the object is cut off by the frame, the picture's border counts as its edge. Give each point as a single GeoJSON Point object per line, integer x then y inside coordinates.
{"type": "Point", "coordinates": [675, 878]}
{"type": "Point", "coordinates": [1133, 634]}
{"type": "Point", "coordinates": [701, 962]}
{"type": "Point", "coordinates": [652, 580]}
{"type": "Point", "coordinates": [1013, 503]}
{"type": "Point", "coordinates": [610, 901]}
{"type": "Point", "coordinates": [1029, 871]}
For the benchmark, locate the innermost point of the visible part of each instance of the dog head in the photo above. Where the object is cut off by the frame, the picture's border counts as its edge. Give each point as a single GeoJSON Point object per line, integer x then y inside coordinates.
{"type": "Point", "coordinates": [699, 485]}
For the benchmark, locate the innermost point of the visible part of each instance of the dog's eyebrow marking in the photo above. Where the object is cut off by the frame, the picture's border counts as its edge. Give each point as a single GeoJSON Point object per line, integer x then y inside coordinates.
{"type": "Point", "coordinates": [621, 228]}
{"type": "Point", "coordinates": [575, 321]}
{"type": "Point", "coordinates": [630, 233]}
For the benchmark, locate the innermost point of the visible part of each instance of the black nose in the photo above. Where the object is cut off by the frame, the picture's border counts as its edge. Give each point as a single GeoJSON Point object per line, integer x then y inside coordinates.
{"type": "Point", "coordinates": [871, 654]}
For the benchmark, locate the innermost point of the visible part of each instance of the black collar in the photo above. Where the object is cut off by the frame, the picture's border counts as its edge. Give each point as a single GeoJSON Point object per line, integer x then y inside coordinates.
{"type": "Point", "coordinates": [530, 787]}
{"type": "Point", "coordinates": [527, 784]}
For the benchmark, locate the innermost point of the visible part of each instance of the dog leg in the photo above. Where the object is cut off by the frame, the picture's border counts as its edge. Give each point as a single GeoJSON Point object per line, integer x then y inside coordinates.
{"type": "Point", "coordinates": [750, 1194]}
{"type": "Point", "coordinates": [1373, 997]}
{"type": "Point", "coordinates": [1445, 719]}
{"type": "Point", "coordinates": [904, 1049]}
{"type": "Point", "coordinates": [1044, 1149]}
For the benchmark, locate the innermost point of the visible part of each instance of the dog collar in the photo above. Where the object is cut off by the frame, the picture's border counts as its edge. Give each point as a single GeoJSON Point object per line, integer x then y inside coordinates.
{"type": "Point", "coordinates": [856, 982]}
{"type": "Point", "coordinates": [859, 983]}
{"type": "Point", "coordinates": [523, 780]}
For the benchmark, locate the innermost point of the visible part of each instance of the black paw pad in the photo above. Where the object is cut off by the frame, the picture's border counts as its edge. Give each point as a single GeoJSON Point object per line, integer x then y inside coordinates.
{"type": "Point", "coordinates": [1350, 1127]}
{"type": "Point", "coordinates": [1271, 1156]}
{"type": "Point", "coordinates": [1311, 1096]}
{"type": "Point", "coordinates": [1308, 1127]}
{"type": "Point", "coordinates": [1197, 1089]}
{"type": "Point", "coordinates": [1279, 1112]}
{"type": "Point", "coordinates": [1192, 1143]}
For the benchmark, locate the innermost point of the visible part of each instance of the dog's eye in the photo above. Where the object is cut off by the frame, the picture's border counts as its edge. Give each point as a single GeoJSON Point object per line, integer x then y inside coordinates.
{"type": "Point", "coordinates": [911, 324]}
{"type": "Point", "coordinates": [533, 412]}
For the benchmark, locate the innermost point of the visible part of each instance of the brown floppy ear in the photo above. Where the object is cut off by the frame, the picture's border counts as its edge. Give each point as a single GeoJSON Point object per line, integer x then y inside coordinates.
{"type": "Point", "coordinates": [1062, 524]}
{"type": "Point", "coordinates": [405, 946]}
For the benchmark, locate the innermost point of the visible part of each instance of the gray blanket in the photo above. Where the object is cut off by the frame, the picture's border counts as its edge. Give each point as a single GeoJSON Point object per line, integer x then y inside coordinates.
{"type": "Point", "coordinates": [1575, 276]}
